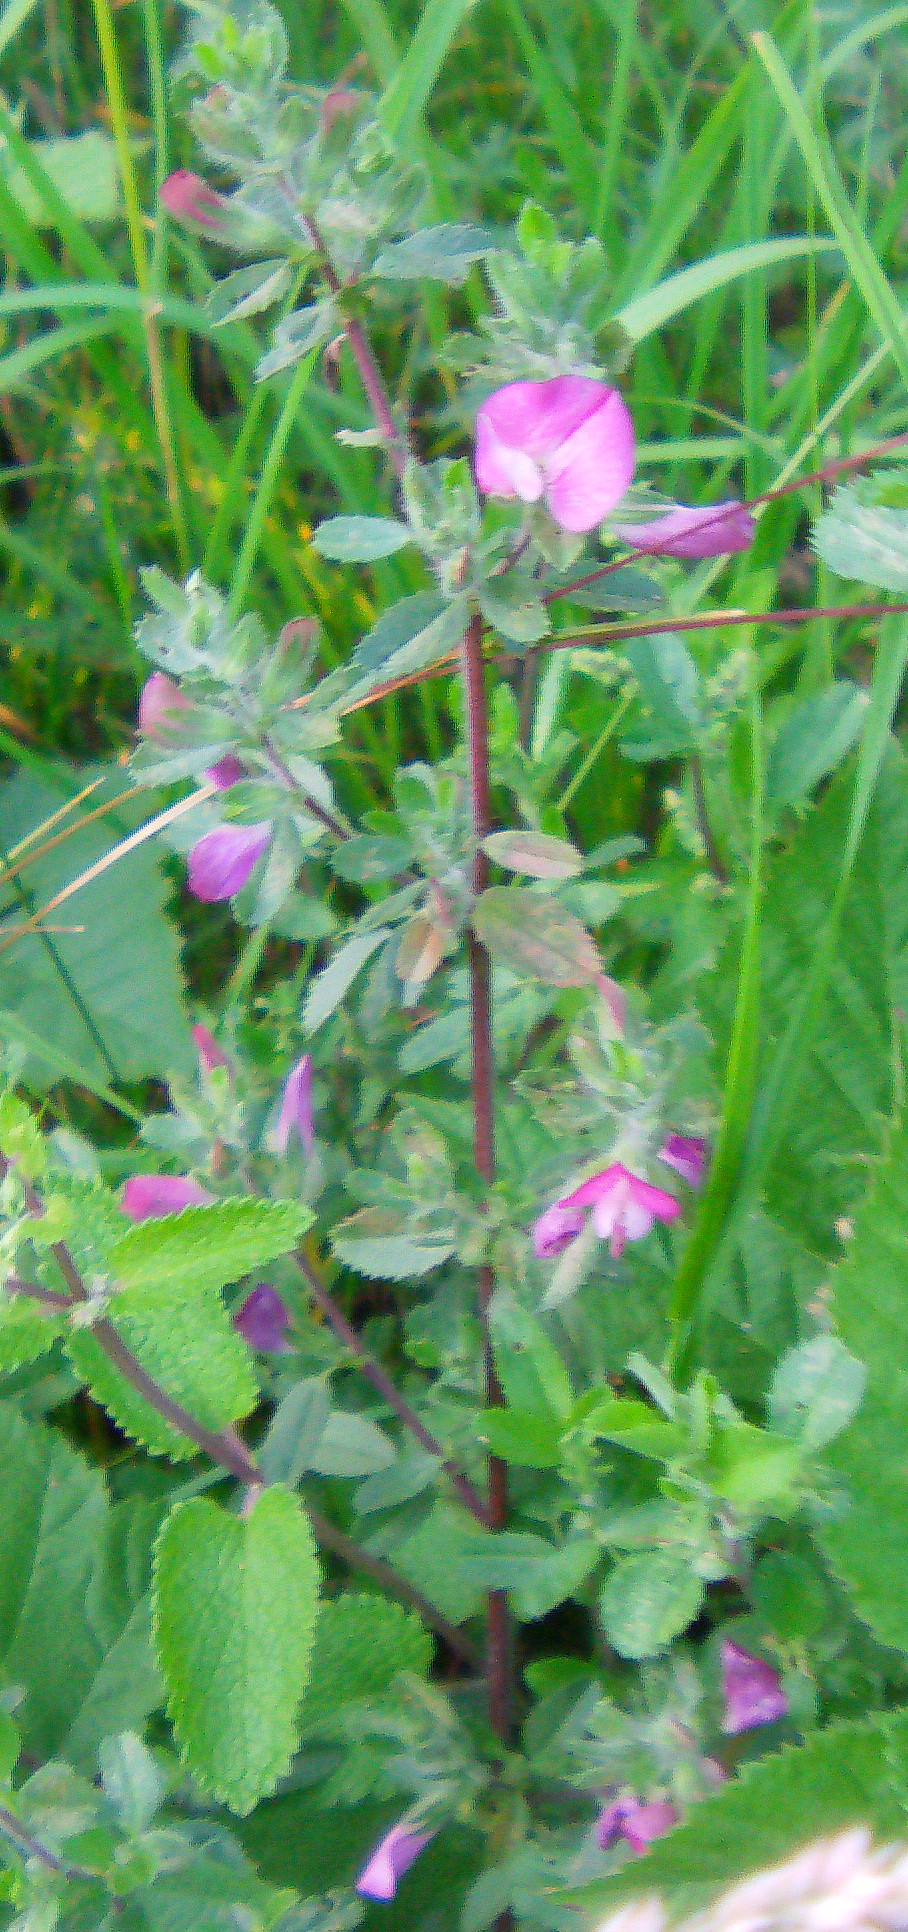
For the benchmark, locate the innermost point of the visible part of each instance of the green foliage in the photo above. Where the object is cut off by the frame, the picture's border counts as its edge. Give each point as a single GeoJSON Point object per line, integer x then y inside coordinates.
{"type": "Point", "coordinates": [207, 1247]}
{"type": "Point", "coordinates": [235, 1615]}
{"type": "Point", "coordinates": [361, 1644]}
{"type": "Point", "coordinates": [863, 532]}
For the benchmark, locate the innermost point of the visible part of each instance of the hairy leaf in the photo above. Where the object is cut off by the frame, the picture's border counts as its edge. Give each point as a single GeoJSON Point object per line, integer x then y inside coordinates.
{"type": "Point", "coordinates": [535, 936]}
{"type": "Point", "coordinates": [361, 1643]}
{"type": "Point", "coordinates": [236, 1606]}
{"type": "Point", "coordinates": [207, 1247]}
{"type": "Point", "coordinates": [863, 532]}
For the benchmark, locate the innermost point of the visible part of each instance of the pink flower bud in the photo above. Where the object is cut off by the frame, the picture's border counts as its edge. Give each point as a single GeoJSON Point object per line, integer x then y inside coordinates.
{"type": "Point", "coordinates": [751, 1690]}
{"type": "Point", "coordinates": [687, 1154]}
{"type": "Point", "coordinates": [569, 440]}
{"type": "Point", "coordinates": [392, 1857]}
{"type": "Point", "coordinates": [159, 707]}
{"type": "Point", "coordinates": [295, 1116]}
{"type": "Point", "coordinates": [221, 862]}
{"type": "Point", "coordinates": [263, 1320]}
{"type": "Point", "coordinates": [188, 198]}
{"type": "Point", "coordinates": [210, 1054]}
{"type": "Point", "coordinates": [146, 1196]}
{"type": "Point", "coordinates": [228, 771]}
{"type": "Point", "coordinates": [640, 1824]}
{"type": "Point", "coordinates": [716, 530]}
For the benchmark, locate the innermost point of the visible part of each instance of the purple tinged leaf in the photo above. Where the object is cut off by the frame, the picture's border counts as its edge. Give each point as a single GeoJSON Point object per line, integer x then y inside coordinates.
{"type": "Point", "coordinates": [221, 862]}
{"type": "Point", "coordinates": [296, 1108]}
{"type": "Point", "coordinates": [569, 440]}
{"type": "Point", "coordinates": [263, 1320]}
{"type": "Point", "coordinates": [146, 1196]}
{"type": "Point", "coordinates": [392, 1857]}
{"type": "Point", "coordinates": [751, 1690]}
{"type": "Point", "coordinates": [687, 1154]}
{"type": "Point", "coordinates": [716, 530]}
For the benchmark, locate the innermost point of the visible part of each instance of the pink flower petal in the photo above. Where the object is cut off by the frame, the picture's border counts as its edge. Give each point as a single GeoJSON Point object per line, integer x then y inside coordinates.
{"type": "Point", "coordinates": [590, 471]}
{"type": "Point", "coordinates": [296, 1108]}
{"type": "Point", "coordinates": [716, 530]}
{"type": "Point", "coordinates": [502, 470]}
{"type": "Point", "coordinates": [597, 1188]}
{"type": "Point", "coordinates": [538, 417]}
{"type": "Point", "coordinates": [392, 1857]}
{"type": "Point", "coordinates": [145, 1196]}
{"type": "Point", "coordinates": [220, 863]}
{"type": "Point", "coordinates": [751, 1690]}
{"type": "Point", "coordinates": [160, 703]}
{"type": "Point", "coordinates": [640, 1824]}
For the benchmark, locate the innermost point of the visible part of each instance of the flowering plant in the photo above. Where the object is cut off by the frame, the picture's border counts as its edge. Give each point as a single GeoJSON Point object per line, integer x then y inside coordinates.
{"type": "Point", "coordinates": [491, 1368]}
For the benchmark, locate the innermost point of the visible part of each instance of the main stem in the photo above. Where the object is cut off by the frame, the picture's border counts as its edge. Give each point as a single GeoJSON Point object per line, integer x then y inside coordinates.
{"type": "Point", "coordinates": [498, 1628]}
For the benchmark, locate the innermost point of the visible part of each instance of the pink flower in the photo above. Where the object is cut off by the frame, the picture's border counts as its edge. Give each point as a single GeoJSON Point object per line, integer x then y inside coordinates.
{"type": "Point", "coordinates": [638, 1823]}
{"type": "Point", "coordinates": [228, 771]}
{"type": "Point", "coordinates": [392, 1857]}
{"type": "Point", "coordinates": [160, 703]}
{"type": "Point", "coordinates": [210, 1054]}
{"type": "Point", "coordinates": [263, 1320]}
{"type": "Point", "coordinates": [716, 530]}
{"type": "Point", "coordinates": [625, 1208]}
{"type": "Point", "coordinates": [186, 196]}
{"type": "Point", "coordinates": [751, 1690]}
{"type": "Point", "coordinates": [686, 1153]}
{"type": "Point", "coordinates": [145, 1196]}
{"type": "Point", "coordinates": [569, 440]}
{"type": "Point", "coordinates": [220, 863]}
{"type": "Point", "coordinates": [296, 1108]}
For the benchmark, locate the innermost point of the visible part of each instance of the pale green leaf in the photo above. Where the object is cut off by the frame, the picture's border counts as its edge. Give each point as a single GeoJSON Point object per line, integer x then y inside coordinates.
{"type": "Point", "coordinates": [535, 936]}
{"type": "Point", "coordinates": [329, 986]}
{"type": "Point", "coordinates": [247, 291]}
{"type": "Point", "coordinates": [374, 1243]}
{"type": "Point", "coordinates": [360, 539]}
{"type": "Point", "coordinates": [659, 305]}
{"type": "Point", "coordinates": [813, 739]}
{"type": "Point", "coordinates": [351, 1445]}
{"type": "Point", "coordinates": [537, 854]}
{"type": "Point", "coordinates": [441, 254]}
{"type": "Point", "coordinates": [82, 168]}
{"type": "Point", "coordinates": [863, 532]}
{"type": "Point", "coordinates": [648, 1600]}
{"type": "Point", "coordinates": [235, 1619]}
{"type": "Point", "coordinates": [208, 1246]}
{"type": "Point", "coordinates": [361, 1644]}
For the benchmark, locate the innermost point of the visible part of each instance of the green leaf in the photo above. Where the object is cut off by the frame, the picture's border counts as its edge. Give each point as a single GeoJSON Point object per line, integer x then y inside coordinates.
{"type": "Point", "coordinates": [108, 995]}
{"type": "Point", "coordinates": [441, 254]}
{"type": "Point", "coordinates": [297, 1427]}
{"type": "Point", "coordinates": [183, 1337]}
{"type": "Point", "coordinates": [863, 532]}
{"type": "Point", "coordinates": [27, 1330]}
{"type": "Point", "coordinates": [633, 1425]}
{"type": "Point", "coordinates": [532, 1441]}
{"type": "Point", "coordinates": [329, 986]}
{"type": "Point", "coordinates": [536, 853]}
{"type": "Point", "coordinates": [351, 1445]}
{"type": "Point", "coordinates": [247, 291]}
{"type": "Point", "coordinates": [361, 1644]}
{"type": "Point", "coordinates": [208, 1246]}
{"type": "Point", "coordinates": [669, 692]}
{"type": "Point", "coordinates": [235, 1619]}
{"type": "Point", "coordinates": [433, 643]}
{"type": "Point", "coordinates": [866, 1544]}
{"type": "Point", "coordinates": [651, 311]}
{"type": "Point", "coordinates": [850, 1774]}
{"type": "Point", "coordinates": [816, 1391]}
{"type": "Point", "coordinates": [514, 611]}
{"type": "Point", "coordinates": [648, 1600]}
{"type": "Point", "coordinates": [296, 335]}
{"type": "Point", "coordinates": [360, 539]}
{"type": "Point", "coordinates": [74, 1602]}
{"type": "Point", "coordinates": [814, 738]}
{"type": "Point", "coordinates": [396, 627]}
{"type": "Point", "coordinates": [133, 1784]}
{"type": "Point", "coordinates": [372, 1242]}
{"type": "Point", "coordinates": [535, 936]}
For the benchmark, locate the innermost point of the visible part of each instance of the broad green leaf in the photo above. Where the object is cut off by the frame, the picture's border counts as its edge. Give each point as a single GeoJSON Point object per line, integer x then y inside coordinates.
{"type": "Point", "coordinates": [360, 539]}
{"type": "Point", "coordinates": [514, 611]}
{"type": "Point", "coordinates": [863, 532]}
{"type": "Point", "coordinates": [648, 1600]}
{"type": "Point", "coordinates": [536, 853]}
{"type": "Point", "coordinates": [435, 642]}
{"type": "Point", "coordinates": [133, 1783]}
{"type": "Point", "coordinates": [361, 1643]}
{"type": "Point", "coordinates": [633, 1425]}
{"type": "Point", "coordinates": [441, 254]}
{"type": "Point", "coordinates": [235, 1619]}
{"type": "Point", "coordinates": [814, 738]}
{"type": "Point", "coordinates": [108, 994]}
{"type": "Point", "coordinates": [816, 1390]}
{"type": "Point", "coordinates": [535, 936]}
{"type": "Point", "coordinates": [849, 1774]}
{"type": "Point", "coordinates": [183, 1337]}
{"type": "Point", "coordinates": [296, 335]}
{"type": "Point", "coordinates": [396, 627]}
{"type": "Point", "coordinates": [454, 1562]}
{"type": "Point", "coordinates": [74, 1602]}
{"type": "Point", "coordinates": [866, 1544]}
{"type": "Point", "coordinates": [667, 719]}
{"type": "Point", "coordinates": [329, 986]}
{"type": "Point", "coordinates": [517, 1436]}
{"type": "Point", "coordinates": [26, 1330]}
{"type": "Point", "coordinates": [297, 1427]}
{"type": "Point", "coordinates": [207, 1247]}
